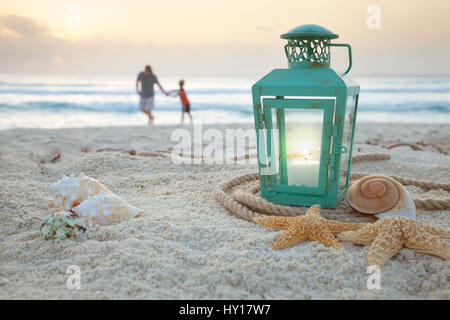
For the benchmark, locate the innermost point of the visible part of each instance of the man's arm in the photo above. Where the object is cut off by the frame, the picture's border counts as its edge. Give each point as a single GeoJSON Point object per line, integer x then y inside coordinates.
{"type": "Point", "coordinates": [161, 88]}
{"type": "Point", "coordinates": [137, 82]}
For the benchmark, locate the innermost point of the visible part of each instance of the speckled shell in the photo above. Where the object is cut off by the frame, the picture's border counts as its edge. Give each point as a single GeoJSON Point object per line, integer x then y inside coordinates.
{"type": "Point", "coordinates": [71, 191]}
{"type": "Point", "coordinates": [104, 208]}
{"type": "Point", "coordinates": [62, 225]}
{"type": "Point", "coordinates": [382, 196]}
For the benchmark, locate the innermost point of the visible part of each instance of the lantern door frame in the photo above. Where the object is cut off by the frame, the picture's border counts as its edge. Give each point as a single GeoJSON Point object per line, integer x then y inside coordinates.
{"type": "Point", "coordinates": [279, 105]}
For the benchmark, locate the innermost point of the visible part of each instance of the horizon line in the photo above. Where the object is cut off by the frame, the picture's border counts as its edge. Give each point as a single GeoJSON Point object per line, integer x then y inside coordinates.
{"type": "Point", "coordinates": [215, 75]}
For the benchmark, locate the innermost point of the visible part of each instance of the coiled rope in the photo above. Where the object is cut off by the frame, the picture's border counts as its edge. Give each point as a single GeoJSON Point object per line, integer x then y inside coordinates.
{"type": "Point", "coordinates": [246, 204]}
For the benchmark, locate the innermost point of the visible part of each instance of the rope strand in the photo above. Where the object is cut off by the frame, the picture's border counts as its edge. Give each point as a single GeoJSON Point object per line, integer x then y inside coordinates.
{"type": "Point", "coordinates": [424, 184]}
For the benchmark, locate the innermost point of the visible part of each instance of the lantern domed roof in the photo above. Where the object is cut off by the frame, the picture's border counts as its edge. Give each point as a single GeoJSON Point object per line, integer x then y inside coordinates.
{"type": "Point", "coordinates": [309, 31]}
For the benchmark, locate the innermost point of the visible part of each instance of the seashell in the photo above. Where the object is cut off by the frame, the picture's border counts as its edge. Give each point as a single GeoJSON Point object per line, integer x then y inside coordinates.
{"type": "Point", "coordinates": [104, 208]}
{"type": "Point", "coordinates": [71, 191]}
{"type": "Point", "coordinates": [62, 225]}
{"type": "Point", "coordinates": [381, 196]}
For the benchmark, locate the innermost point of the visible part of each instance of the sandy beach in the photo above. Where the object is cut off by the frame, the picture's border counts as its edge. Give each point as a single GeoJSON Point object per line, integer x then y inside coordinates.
{"type": "Point", "coordinates": [186, 245]}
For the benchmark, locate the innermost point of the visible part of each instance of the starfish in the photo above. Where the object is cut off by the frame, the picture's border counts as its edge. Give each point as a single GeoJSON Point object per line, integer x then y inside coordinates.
{"type": "Point", "coordinates": [310, 226]}
{"type": "Point", "coordinates": [390, 234]}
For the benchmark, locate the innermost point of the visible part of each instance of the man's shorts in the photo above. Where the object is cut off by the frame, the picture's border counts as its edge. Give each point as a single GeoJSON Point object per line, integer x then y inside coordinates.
{"type": "Point", "coordinates": [146, 103]}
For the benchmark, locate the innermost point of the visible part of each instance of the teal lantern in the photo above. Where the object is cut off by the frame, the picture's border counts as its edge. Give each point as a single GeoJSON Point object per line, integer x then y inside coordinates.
{"type": "Point", "coordinates": [305, 119]}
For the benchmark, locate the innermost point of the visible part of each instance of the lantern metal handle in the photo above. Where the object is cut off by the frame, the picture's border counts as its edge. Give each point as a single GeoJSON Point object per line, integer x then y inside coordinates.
{"type": "Point", "coordinates": [349, 54]}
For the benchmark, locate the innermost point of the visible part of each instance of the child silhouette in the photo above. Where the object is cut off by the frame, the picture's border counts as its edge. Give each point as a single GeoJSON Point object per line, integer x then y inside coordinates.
{"type": "Point", "coordinates": [185, 105]}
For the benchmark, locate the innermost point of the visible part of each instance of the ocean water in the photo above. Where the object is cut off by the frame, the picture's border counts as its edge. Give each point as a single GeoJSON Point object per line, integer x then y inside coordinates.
{"type": "Point", "coordinates": [57, 101]}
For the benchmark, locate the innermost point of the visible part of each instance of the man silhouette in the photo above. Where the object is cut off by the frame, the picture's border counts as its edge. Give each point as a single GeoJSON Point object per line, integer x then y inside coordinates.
{"type": "Point", "coordinates": [146, 92]}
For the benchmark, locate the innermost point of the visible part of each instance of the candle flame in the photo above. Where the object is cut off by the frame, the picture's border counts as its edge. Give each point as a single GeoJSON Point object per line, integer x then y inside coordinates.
{"type": "Point", "coordinates": [306, 152]}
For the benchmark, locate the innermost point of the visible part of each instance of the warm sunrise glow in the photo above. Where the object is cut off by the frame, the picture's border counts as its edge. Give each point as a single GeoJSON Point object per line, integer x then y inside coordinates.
{"type": "Point", "coordinates": [229, 36]}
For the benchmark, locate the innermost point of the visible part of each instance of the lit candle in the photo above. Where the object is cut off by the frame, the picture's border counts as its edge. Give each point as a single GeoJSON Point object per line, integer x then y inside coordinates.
{"type": "Point", "coordinates": [303, 172]}
{"type": "Point", "coordinates": [303, 168]}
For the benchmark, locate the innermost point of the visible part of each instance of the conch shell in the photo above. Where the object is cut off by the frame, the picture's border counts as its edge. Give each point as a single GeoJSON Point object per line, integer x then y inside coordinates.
{"type": "Point", "coordinates": [381, 196]}
{"type": "Point", "coordinates": [104, 208]}
{"type": "Point", "coordinates": [71, 191]}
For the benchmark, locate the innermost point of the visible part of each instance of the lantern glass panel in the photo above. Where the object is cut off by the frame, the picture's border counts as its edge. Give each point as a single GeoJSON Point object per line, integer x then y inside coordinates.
{"type": "Point", "coordinates": [303, 134]}
{"type": "Point", "coordinates": [347, 139]}
{"type": "Point", "coordinates": [275, 148]}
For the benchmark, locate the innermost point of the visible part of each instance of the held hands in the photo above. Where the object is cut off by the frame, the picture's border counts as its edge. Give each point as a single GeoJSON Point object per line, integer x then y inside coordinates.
{"type": "Point", "coordinates": [169, 93]}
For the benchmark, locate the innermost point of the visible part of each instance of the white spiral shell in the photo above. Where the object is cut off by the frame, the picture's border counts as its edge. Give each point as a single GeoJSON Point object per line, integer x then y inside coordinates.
{"type": "Point", "coordinates": [91, 201]}
{"type": "Point", "coordinates": [71, 191]}
{"type": "Point", "coordinates": [382, 196]}
{"type": "Point", "coordinates": [104, 208]}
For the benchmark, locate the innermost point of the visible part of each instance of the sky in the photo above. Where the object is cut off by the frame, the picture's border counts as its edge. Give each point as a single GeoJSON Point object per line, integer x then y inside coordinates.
{"type": "Point", "coordinates": [217, 37]}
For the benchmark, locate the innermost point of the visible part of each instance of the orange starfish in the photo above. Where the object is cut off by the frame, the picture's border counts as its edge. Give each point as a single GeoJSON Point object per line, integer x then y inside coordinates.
{"type": "Point", "coordinates": [389, 235]}
{"type": "Point", "coordinates": [310, 226]}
